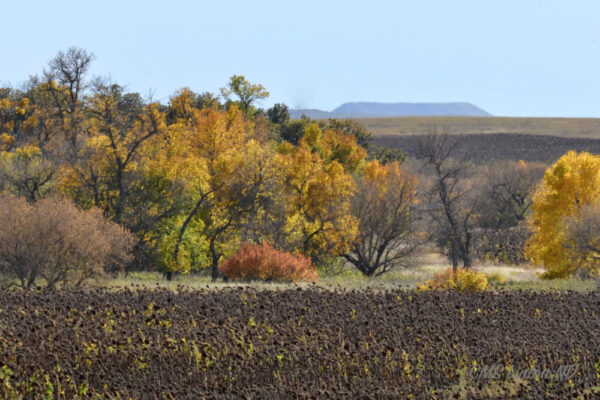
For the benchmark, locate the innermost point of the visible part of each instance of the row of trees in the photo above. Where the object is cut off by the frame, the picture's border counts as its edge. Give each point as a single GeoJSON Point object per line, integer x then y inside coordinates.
{"type": "Point", "coordinates": [514, 212]}
{"type": "Point", "coordinates": [470, 205]}
{"type": "Point", "coordinates": [194, 179]}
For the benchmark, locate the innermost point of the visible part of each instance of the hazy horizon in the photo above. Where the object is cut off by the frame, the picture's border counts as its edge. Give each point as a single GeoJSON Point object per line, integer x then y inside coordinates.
{"type": "Point", "coordinates": [508, 58]}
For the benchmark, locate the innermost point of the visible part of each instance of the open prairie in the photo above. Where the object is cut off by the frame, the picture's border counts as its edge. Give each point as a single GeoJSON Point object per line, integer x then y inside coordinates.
{"type": "Point", "coordinates": [562, 127]}
{"type": "Point", "coordinates": [484, 148]}
{"type": "Point", "coordinates": [488, 139]}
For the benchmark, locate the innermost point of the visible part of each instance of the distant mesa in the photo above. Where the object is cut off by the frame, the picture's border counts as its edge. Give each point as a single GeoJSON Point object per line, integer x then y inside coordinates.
{"type": "Point", "coordinates": [370, 110]}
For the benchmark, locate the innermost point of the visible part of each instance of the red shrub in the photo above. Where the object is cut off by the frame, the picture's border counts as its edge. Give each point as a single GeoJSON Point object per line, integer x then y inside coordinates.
{"type": "Point", "coordinates": [267, 263]}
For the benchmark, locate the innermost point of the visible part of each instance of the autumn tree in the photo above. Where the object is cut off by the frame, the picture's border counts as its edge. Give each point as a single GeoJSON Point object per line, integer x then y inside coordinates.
{"type": "Point", "coordinates": [383, 205]}
{"type": "Point", "coordinates": [24, 169]}
{"type": "Point", "coordinates": [44, 125]}
{"type": "Point", "coordinates": [116, 133]}
{"type": "Point", "coordinates": [245, 192]}
{"type": "Point", "coordinates": [113, 168]}
{"type": "Point", "coordinates": [224, 172]}
{"type": "Point", "coordinates": [185, 101]}
{"type": "Point", "coordinates": [51, 114]}
{"type": "Point", "coordinates": [318, 195]}
{"type": "Point", "coordinates": [246, 93]}
{"type": "Point", "coordinates": [351, 127]}
{"type": "Point", "coordinates": [364, 138]}
{"type": "Point", "coordinates": [567, 194]}
{"type": "Point", "coordinates": [213, 140]}
{"type": "Point", "coordinates": [334, 145]}
{"type": "Point", "coordinates": [13, 112]}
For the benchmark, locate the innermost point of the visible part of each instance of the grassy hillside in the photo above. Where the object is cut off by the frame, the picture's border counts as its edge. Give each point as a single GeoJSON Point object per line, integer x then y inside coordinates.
{"type": "Point", "coordinates": [564, 127]}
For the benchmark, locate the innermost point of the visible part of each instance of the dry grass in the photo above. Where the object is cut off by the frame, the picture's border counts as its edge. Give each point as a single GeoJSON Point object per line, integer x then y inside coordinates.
{"type": "Point", "coordinates": [516, 277]}
{"type": "Point", "coordinates": [563, 127]}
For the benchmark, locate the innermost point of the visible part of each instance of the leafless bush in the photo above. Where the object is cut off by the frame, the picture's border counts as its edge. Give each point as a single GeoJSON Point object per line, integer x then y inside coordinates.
{"type": "Point", "coordinates": [54, 240]}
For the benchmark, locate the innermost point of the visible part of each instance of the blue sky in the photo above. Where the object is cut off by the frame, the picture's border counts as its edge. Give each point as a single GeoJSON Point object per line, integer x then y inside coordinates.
{"type": "Point", "coordinates": [514, 58]}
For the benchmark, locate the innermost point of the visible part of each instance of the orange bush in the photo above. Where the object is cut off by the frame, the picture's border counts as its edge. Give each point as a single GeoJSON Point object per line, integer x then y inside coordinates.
{"type": "Point", "coordinates": [267, 263]}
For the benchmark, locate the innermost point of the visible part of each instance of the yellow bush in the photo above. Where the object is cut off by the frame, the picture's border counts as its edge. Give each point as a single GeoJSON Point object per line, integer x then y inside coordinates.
{"type": "Point", "coordinates": [463, 279]}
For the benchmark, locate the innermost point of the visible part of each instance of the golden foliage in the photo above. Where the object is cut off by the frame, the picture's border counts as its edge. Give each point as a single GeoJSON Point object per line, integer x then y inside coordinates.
{"type": "Point", "coordinates": [463, 279]}
{"type": "Point", "coordinates": [318, 200]}
{"type": "Point", "coordinates": [572, 182]}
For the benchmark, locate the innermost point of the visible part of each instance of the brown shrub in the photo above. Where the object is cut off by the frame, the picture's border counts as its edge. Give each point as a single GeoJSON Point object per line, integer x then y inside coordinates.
{"type": "Point", "coordinates": [54, 240]}
{"type": "Point", "coordinates": [267, 263]}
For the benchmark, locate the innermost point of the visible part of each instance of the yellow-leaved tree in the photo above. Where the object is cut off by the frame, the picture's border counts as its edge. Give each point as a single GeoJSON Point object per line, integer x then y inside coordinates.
{"type": "Point", "coordinates": [225, 175]}
{"type": "Point", "coordinates": [318, 196]}
{"type": "Point", "coordinates": [569, 185]}
{"type": "Point", "coordinates": [12, 114]}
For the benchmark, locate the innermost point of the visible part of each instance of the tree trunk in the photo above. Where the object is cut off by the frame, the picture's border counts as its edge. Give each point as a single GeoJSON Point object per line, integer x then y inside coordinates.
{"type": "Point", "coordinates": [467, 247]}
{"type": "Point", "coordinates": [121, 196]}
{"type": "Point", "coordinates": [184, 227]}
{"type": "Point", "coordinates": [454, 256]}
{"type": "Point", "coordinates": [214, 260]}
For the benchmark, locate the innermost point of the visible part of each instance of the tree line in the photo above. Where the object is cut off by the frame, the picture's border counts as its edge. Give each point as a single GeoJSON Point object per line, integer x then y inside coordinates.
{"type": "Point", "coordinates": [180, 187]}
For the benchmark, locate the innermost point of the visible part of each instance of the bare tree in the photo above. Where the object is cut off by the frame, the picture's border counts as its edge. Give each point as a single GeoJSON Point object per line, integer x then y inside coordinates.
{"type": "Point", "coordinates": [448, 196]}
{"type": "Point", "coordinates": [504, 193]}
{"type": "Point", "coordinates": [384, 208]}
{"type": "Point", "coordinates": [502, 200]}
{"type": "Point", "coordinates": [68, 69]}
